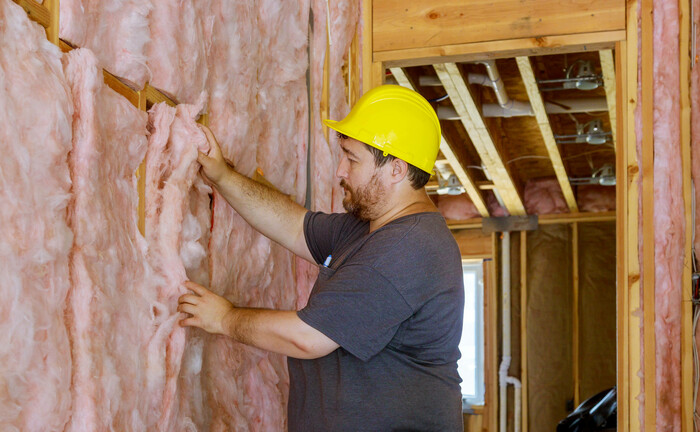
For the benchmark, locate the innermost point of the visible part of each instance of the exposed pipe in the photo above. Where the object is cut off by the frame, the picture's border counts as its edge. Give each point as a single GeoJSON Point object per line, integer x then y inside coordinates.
{"type": "Point", "coordinates": [519, 109]}
{"type": "Point", "coordinates": [503, 378]}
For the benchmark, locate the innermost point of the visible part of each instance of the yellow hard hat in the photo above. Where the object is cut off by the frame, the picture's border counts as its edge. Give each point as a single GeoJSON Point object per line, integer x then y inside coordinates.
{"type": "Point", "coordinates": [396, 120]}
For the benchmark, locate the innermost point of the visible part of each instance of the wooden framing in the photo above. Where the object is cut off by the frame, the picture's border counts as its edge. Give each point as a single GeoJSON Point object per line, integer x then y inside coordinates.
{"type": "Point", "coordinates": [550, 219]}
{"type": "Point", "coordinates": [470, 116]}
{"type": "Point", "coordinates": [687, 372]}
{"type": "Point", "coordinates": [469, 52]}
{"type": "Point", "coordinates": [607, 64]}
{"type": "Point", "coordinates": [523, 331]}
{"type": "Point", "coordinates": [398, 24]}
{"type": "Point", "coordinates": [550, 143]}
{"type": "Point", "coordinates": [491, 337]}
{"type": "Point", "coordinates": [647, 169]}
{"type": "Point", "coordinates": [451, 156]}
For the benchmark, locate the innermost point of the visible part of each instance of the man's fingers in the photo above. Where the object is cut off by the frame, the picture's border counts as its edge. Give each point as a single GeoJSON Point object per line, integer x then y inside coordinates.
{"type": "Point", "coordinates": [197, 288]}
{"type": "Point", "coordinates": [187, 308]}
{"type": "Point", "coordinates": [189, 298]}
{"type": "Point", "coordinates": [190, 322]}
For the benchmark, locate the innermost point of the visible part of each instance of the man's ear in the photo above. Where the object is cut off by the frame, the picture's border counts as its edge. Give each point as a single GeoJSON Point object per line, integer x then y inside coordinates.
{"type": "Point", "coordinates": [399, 170]}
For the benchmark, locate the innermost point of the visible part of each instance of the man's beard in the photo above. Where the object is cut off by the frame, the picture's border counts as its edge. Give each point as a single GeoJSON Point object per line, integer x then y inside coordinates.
{"type": "Point", "coordinates": [362, 202]}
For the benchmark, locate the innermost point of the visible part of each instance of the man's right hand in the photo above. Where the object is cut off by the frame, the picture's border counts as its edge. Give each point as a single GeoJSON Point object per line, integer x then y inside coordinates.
{"type": "Point", "coordinates": [214, 165]}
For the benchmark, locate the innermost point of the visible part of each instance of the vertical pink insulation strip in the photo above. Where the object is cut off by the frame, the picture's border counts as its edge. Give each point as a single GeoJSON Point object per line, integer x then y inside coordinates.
{"type": "Point", "coordinates": [669, 217]}
{"type": "Point", "coordinates": [109, 302]}
{"type": "Point", "coordinates": [695, 146]}
{"type": "Point", "coordinates": [117, 31]}
{"type": "Point", "coordinates": [180, 41]}
{"type": "Point", "coordinates": [175, 245]}
{"type": "Point", "coordinates": [35, 361]}
{"type": "Point", "coordinates": [258, 112]}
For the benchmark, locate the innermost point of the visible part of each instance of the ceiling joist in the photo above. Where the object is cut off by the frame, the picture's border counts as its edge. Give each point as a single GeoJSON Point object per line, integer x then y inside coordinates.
{"type": "Point", "coordinates": [537, 104]}
{"type": "Point", "coordinates": [607, 64]}
{"type": "Point", "coordinates": [469, 113]}
{"type": "Point", "coordinates": [458, 166]}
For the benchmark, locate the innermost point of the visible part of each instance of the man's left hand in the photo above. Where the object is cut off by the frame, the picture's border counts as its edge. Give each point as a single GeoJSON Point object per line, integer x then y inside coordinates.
{"type": "Point", "coordinates": [207, 310]}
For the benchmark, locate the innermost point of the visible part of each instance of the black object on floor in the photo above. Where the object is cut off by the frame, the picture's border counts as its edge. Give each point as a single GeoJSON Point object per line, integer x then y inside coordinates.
{"type": "Point", "coordinates": [596, 413]}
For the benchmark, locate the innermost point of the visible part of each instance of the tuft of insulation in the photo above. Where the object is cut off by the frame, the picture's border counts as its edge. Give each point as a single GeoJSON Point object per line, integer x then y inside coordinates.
{"type": "Point", "coordinates": [544, 196]}
{"type": "Point", "coordinates": [35, 360]}
{"type": "Point", "coordinates": [111, 283]}
{"type": "Point", "coordinates": [117, 31]}
{"type": "Point", "coordinates": [594, 198]}
{"type": "Point", "coordinates": [457, 207]}
{"type": "Point", "coordinates": [177, 226]}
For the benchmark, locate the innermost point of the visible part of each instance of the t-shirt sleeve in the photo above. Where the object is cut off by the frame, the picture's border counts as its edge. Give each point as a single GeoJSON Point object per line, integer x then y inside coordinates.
{"type": "Point", "coordinates": [358, 308]}
{"type": "Point", "coordinates": [323, 231]}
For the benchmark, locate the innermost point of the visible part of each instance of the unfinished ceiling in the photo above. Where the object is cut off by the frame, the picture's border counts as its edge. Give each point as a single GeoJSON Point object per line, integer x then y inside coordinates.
{"type": "Point", "coordinates": [510, 121]}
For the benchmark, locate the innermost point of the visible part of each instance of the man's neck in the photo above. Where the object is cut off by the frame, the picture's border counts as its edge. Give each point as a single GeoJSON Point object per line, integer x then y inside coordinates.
{"type": "Point", "coordinates": [413, 203]}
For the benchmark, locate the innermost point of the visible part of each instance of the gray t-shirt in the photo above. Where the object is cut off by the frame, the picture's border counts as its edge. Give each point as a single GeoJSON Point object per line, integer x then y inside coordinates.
{"type": "Point", "coordinates": [393, 300]}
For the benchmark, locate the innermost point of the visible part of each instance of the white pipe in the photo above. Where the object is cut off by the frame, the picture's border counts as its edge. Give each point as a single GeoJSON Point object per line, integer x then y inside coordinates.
{"type": "Point", "coordinates": [518, 108]}
{"type": "Point", "coordinates": [503, 378]}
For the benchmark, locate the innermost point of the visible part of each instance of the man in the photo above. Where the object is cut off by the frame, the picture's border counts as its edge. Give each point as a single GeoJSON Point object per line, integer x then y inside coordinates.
{"type": "Point", "coordinates": [376, 347]}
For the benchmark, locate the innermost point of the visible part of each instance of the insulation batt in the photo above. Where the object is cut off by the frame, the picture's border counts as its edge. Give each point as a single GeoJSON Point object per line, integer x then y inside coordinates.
{"type": "Point", "coordinates": [544, 196]}
{"type": "Point", "coordinates": [669, 219]}
{"type": "Point", "coordinates": [35, 241]}
{"type": "Point", "coordinates": [457, 207]}
{"type": "Point", "coordinates": [258, 112]}
{"type": "Point", "coordinates": [116, 30]}
{"type": "Point", "coordinates": [176, 245]}
{"type": "Point", "coordinates": [593, 198]}
{"type": "Point", "coordinates": [695, 150]}
{"type": "Point", "coordinates": [112, 288]}
{"type": "Point", "coordinates": [180, 42]}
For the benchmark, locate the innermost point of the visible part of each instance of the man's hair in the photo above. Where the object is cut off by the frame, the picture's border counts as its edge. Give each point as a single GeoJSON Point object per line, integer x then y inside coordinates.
{"type": "Point", "coordinates": [416, 176]}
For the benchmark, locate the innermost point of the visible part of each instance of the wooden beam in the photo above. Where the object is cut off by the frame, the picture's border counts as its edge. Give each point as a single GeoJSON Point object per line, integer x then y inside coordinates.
{"type": "Point", "coordinates": [607, 64]}
{"type": "Point", "coordinates": [647, 168]}
{"type": "Point", "coordinates": [141, 178]}
{"type": "Point", "coordinates": [491, 339]}
{"type": "Point", "coordinates": [550, 219]}
{"type": "Point", "coordinates": [575, 318]}
{"type": "Point", "coordinates": [36, 11]}
{"type": "Point", "coordinates": [52, 29]}
{"type": "Point", "coordinates": [523, 329]}
{"type": "Point", "coordinates": [550, 143]}
{"type": "Point", "coordinates": [118, 86]}
{"type": "Point", "coordinates": [154, 96]}
{"type": "Point", "coordinates": [687, 373]}
{"type": "Point", "coordinates": [458, 166]}
{"type": "Point", "coordinates": [473, 122]}
{"type": "Point", "coordinates": [398, 24]}
{"type": "Point", "coordinates": [473, 244]}
{"type": "Point", "coordinates": [506, 48]}
{"type": "Point", "coordinates": [367, 48]}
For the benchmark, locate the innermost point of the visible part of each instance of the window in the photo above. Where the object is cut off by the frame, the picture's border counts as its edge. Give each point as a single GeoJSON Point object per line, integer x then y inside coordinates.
{"type": "Point", "coordinates": [471, 365]}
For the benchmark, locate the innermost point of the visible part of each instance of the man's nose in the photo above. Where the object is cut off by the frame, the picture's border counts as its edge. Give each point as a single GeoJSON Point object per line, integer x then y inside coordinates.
{"type": "Point", "coordinates": [342, 171]}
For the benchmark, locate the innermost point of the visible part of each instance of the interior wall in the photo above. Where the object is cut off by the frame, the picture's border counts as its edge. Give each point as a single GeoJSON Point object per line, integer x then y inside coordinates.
{"type": "Point", "coordinates": [597, 337]}
{"type": "Point", "coordinates": [549, 326]}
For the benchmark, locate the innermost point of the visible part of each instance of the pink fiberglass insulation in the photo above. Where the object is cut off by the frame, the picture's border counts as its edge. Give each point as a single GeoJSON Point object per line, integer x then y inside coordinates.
{"type": "Point", "coordinates": [177, 244]}
{"type": "Point", "coordinates": [116, 30]}
{"type": "Point", "coordinates": [180, 42]}
{"type": "Point", "coordinates": [35, 359]}
{"type": "Point", "coordinates": [344, 16]}
{"type": "Point", "coordinates": [109, 311]}
{"type": "Point", "coordinates": [457, 207]}
{"type": "Point", "coordinates": [595, 198]}
{"type": "Point", "coordinates": [258, 111]}
{"type": "Point", "coordinates": [544, 196]}
{"type": "Point", "coordinates": [695, 149]}
{"type": "Point", "coordinates": [669, 217]}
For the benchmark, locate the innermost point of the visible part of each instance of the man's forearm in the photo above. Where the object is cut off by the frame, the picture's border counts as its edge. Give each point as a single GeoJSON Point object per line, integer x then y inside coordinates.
{"type": "Point", "coordinates": [282, 332]}
{"type": "Point", "coordinates": [267, 210]}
